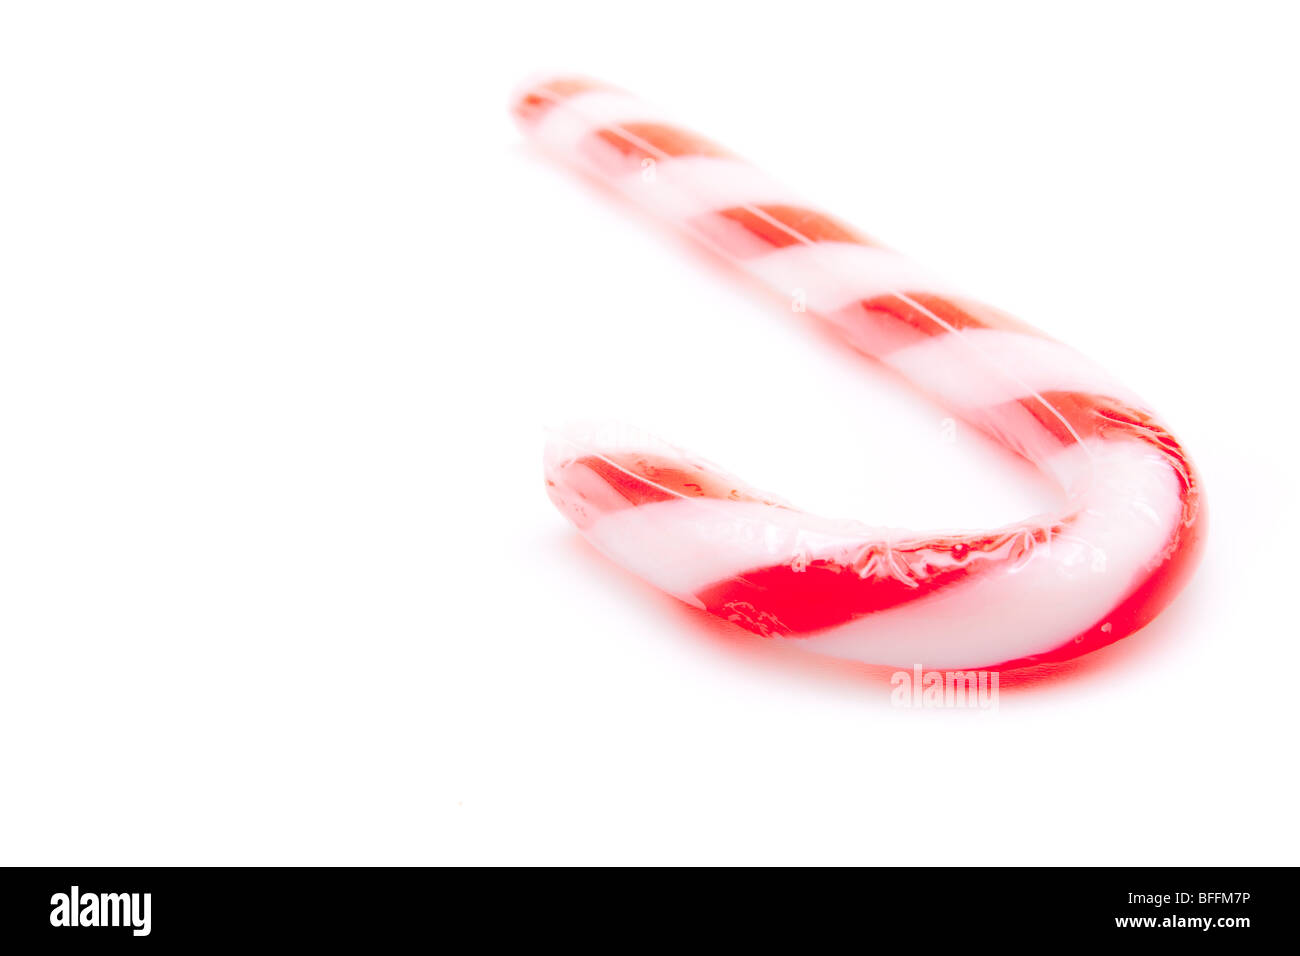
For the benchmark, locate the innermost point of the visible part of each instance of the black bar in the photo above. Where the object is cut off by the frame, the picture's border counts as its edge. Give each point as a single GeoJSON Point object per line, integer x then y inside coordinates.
{"type": "Point", "coordinates": [373, 906]}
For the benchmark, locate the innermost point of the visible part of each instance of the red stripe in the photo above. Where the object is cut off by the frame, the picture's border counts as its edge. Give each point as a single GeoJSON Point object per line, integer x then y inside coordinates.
{"type": "Point", "coordinates": [793, 601]}
{"type": "Point", "coordinates": [779, 226]}
{"type": "Point", "coordinates": [1101, 417]}
{"type": "Point", "coordinates": [644, 479]}
{"type": "Point", "coordinates": [535, 103]}
{"type": "Point", "coordinates": [933, 314]}
{"type": "Point", "coordinates": [641, 141]}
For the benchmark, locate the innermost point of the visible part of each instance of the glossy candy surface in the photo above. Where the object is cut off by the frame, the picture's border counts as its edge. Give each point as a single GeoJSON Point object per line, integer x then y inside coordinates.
{"type": "Point", "coordinates": [1120, 547]}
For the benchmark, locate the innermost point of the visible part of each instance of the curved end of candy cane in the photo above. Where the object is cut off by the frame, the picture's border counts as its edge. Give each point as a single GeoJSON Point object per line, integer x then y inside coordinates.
{"type": "Point", "coordinates": [1041, 591]}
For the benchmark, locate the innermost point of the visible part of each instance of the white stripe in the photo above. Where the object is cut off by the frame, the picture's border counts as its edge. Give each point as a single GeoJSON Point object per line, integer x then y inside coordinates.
{"type": "Point", "coordinates": [686, 544]}
{"type": "Point", "coordinates": [684, 187]}
{"type": "Point", "coordinates": [837, 274]}
{"type": "Point", "coordinates": [974, 368]}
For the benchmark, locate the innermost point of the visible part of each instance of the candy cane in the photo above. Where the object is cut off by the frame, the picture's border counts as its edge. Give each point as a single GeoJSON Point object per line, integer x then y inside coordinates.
{"type": "Point", "coordinates": [1046, 589]}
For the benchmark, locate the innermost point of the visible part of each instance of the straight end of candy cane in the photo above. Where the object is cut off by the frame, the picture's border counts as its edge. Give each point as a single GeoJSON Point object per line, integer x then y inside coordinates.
{"type": "Point", "coordinates": [595, 470]}
{"type": "Point", "coordinates": [534, 97]}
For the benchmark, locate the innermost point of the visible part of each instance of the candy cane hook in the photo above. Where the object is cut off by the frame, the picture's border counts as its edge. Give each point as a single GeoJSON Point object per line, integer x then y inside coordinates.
{"type": "Point", "coordinates": [1046, 589]}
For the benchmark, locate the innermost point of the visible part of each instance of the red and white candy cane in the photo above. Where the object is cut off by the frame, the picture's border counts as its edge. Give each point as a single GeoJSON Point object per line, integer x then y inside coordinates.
{"type": "Point", "coordinates": [1047, 589]}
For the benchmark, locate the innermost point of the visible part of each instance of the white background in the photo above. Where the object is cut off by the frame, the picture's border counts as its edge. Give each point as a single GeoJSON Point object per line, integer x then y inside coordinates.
{"type": "Point", "coordinates": [286, 304]}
